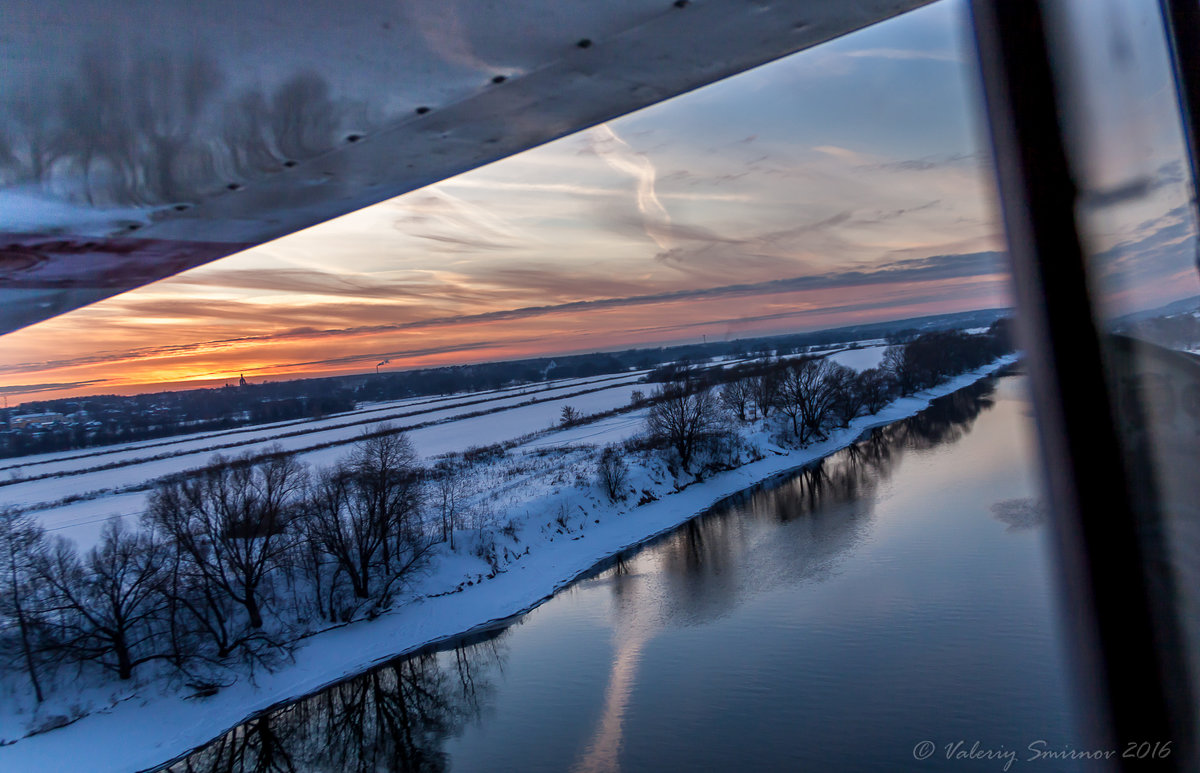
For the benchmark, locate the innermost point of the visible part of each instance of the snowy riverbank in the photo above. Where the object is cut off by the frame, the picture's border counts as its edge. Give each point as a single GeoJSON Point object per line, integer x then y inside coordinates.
{"type": "Point", "coordinates": [153, 725]}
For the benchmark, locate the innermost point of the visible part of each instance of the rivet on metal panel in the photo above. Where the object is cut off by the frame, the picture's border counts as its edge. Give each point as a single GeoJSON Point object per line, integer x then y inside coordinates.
{"type": "Point", "coordinates": [585, 43]}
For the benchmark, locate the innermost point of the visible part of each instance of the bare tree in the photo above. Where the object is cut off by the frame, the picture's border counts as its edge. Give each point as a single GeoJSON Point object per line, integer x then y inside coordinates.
{"type": "Point", "coordinates": [682, 416]}
{"type": "Point", "coordinates": [108, 607]}
{"type": "Point", "coordinates": [848, 399]}
{"type": "Point", "coordinates": [806, 396]}
{"type": "Point", "coordinates": [323, 500]}
{"type": "Point", "coordinates": [363, 515]}
{"type": "Point", "coordinates": [383, 476]}
{"type": "Point", "coordinates": [343, 531]}
{"type": "Point", "coordinates": [764, 389]}
{"type": "Point", "coordinates": [387, 476]}
{"type": "Point", "coordinates": [789, 397]}
{"type": "Point", "coordinates": [896, 364]}
{"type": "Point", "coordinates": [230, 523]}
{"type": "Point", "coordinates": [448, 492]}
{"type": "Point", "coordinates": [612, 472]}
{"type": "Point", "coordinates": [22, 542]}
{"type": "Point", "coordinates": [875, 386]}
{"type": "Point", "coordinates": [737, 396]}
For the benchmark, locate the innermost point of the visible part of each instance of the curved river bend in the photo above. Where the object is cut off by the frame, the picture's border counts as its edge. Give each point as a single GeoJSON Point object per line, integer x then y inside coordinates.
{"type": "Point", "coordinates": [834, 619]}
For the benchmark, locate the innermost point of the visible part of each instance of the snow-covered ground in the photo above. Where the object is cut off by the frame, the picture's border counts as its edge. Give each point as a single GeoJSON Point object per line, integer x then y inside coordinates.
{"type": "Point", "coordinates": [74, 493]}
{"type": "Point", "coordinates": [564, 526]}
{"type": "Point", "coordinates": [860, 359]}
{"type": "Point", "coordinates": [309, 431]}
{"type": "Point", "coordinates": [104, 493]}
{"type": "Point", "coordinates": [612, 429]}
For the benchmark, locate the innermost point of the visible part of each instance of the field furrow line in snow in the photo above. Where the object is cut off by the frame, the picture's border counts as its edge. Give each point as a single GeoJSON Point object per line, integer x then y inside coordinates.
{"type": "Point", "coordinates": [300, 433]}
{"type": "Point", "coordinates": [436, 402]}
{"type": "Point", "coordinates": [340, 441]}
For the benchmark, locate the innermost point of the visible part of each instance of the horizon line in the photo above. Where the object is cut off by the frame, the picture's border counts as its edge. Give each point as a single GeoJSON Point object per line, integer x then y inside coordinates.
{"type": "Point", "coordinates": [199, 384]}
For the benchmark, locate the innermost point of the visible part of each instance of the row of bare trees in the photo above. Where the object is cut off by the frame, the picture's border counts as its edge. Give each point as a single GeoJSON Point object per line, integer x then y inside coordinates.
{"type": "Point", "coordinates": [811, 396]}
{"type": "Point", "coordinates": [228, 565]}
{"type": "Point", "coordinates": [690, 416]}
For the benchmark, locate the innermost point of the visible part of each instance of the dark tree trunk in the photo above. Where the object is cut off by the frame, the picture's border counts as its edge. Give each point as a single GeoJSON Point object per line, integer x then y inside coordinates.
{"type": "Point", "coordinates": [124, 662]}
{"type": "Point", "coordinates": [251, 604]}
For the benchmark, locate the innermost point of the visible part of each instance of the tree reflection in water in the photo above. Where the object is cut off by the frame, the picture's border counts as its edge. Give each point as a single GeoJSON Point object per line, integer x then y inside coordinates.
{"type": "Point", "coordinates": [394, 718]}
{"type": "Point", "coordinates": [704, 568]}
{"type": "Point", "coordinates": [398, 717]}
{"type": "Point", "coordinates": [947, 420]}
{"type": "Point", "coordinates": [777, 534]}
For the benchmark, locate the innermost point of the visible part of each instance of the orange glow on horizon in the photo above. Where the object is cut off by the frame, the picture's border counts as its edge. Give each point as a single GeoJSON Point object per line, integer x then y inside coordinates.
{"type": "Point", "coordinates": [315, 354]}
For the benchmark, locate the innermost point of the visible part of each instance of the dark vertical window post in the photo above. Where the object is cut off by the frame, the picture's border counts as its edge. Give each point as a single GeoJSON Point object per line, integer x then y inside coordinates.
{"type": "Point", "coordinates": [1125, 653]}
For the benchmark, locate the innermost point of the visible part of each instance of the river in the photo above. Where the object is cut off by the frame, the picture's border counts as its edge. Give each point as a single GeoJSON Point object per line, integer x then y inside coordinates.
{"type": "Point", "coordinates": [832, 619]}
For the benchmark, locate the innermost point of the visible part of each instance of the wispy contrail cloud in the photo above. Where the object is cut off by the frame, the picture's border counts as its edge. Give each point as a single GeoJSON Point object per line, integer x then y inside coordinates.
{"type": "Point", "coordinates": [617, 153]}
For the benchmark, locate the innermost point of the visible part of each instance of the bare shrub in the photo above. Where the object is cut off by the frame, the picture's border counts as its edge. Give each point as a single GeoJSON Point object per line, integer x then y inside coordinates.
{"type": "Point", "coordinates": [612, 473]}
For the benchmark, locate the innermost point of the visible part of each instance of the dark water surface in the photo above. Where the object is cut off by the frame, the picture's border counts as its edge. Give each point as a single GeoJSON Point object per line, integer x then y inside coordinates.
{"type": "Point", "coordinates": [899, 592]}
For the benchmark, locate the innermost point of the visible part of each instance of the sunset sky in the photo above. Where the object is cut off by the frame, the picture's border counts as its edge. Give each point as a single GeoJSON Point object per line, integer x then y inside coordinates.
{"type": "Point", "coordinates": [844, 184]}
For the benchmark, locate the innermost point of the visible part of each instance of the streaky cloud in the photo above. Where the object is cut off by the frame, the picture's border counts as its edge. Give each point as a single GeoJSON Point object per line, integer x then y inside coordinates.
{"type": "Point", "coordinates": [50, 387]}
{"type": "Point", "coordinates": [932, 268]}
{"type": "Point", "coordinates": [617, 153]}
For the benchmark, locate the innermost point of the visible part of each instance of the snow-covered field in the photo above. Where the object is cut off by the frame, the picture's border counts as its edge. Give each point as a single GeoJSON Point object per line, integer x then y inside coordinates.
{"type": "Point", "coordinates": [411, 411]}
{"type": "Point", "coordinates": [612, 429]}
{"type": "Point", "coordinates": [434, 429]}
{"type": "Point", "coordinates": [563, 526]}
{"type": "Point", "coordinates": [74, 493]}
{"type": "Point", "coordinates": [860, 359]}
